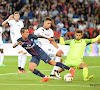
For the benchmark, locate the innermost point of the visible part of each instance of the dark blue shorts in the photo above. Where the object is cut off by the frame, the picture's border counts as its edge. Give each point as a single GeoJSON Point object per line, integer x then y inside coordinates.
{"type": "Point", "coordinates": [43, 56]}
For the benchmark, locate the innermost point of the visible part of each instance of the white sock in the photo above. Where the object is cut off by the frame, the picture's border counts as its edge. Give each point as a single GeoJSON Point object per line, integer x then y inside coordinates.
{"type": "Point", "coordinates": [1, 58]}
{"type": "Point", "coordinates": [23, 62]}
{"type": "Point", "coordinates": [57, 59]}
{"type": "Point", "coordinates": [20, 59]}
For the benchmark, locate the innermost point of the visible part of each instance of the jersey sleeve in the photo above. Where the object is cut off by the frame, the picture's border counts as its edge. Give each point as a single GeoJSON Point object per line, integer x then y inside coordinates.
{"type": "Point", "coordinates": [88, 41]}
{"type": "Point", "coordinates": [19, 39]}
{"type": "Point", "coordinates": [22, 24]}
{"type": "Point", "coordinates": [10, 22]}
{"type": "Point", "coordinates": [67, 42]}
{"type": "Point", "coordinates": [33, 36]}
{"type": "Point", "coordinates": [52, 34]}
{"type": "Point", "coordinates": [37, 32]}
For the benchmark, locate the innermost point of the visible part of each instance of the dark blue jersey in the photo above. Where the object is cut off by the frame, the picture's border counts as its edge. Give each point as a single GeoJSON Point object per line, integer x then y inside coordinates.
{"type": "Point", "coordinates": [30, 45]}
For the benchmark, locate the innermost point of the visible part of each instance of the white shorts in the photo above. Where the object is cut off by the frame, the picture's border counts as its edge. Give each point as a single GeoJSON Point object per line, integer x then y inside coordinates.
{"type": "Point", "coordinates": [1, 46]}
{"type": "Point", "coordinates": [14, 37]}
{"type": "Point", "coordinates": [20, 48]}
{"type": "Point", "coordinates": [14, 40]}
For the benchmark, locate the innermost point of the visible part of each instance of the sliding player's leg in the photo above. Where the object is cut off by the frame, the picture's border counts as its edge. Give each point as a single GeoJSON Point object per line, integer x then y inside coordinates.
{"type": "Point", "coordinates": [52, 75]}
{"type": "Point", "coordinates": [33, 63]}
{"type": "Point", "coordinates": [68, 63]}
{"type": "Point", "coordinates": [85, 72]}
{"type": "Point", "coordinates": [65, 49]}
{"type": "Point", "coordinates": [51, 52]}
{"type": "Point", "coordinates": [61, 65]}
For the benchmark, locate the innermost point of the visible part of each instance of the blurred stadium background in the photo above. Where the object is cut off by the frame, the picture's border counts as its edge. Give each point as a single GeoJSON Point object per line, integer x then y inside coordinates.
{"type": "Point", "coordinates": [70, 14]}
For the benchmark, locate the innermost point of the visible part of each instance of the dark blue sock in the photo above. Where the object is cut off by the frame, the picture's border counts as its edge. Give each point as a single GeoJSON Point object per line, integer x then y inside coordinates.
{"type": "Point", "coordinates": [62, 65]}
{"type": "Point", "coordinates": [36, 72]}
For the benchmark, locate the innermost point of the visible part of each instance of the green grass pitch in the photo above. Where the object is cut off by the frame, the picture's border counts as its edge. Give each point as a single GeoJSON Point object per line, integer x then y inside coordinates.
{"type": "Point", "coordinates": [11, 80]}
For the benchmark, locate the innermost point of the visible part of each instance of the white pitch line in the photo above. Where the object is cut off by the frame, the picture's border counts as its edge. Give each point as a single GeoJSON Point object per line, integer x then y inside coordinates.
{"type": "Point", "coordinates": [45, 85]}
{"type": "Point", "coordinates": [45, 70]}
{"type": "Point", "coordinates": [18, 73]}
{"type": "Point", "coordinates": [94, 66]}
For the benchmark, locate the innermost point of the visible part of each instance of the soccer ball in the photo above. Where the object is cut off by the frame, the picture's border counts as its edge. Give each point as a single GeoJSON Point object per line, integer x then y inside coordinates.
{"type": "Point", "coordinates": [68, 77]}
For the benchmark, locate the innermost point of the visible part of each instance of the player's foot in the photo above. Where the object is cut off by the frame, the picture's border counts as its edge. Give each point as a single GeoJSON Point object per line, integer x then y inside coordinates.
{"type": "Point", "coordinates": [72, 71]}
{"type": "Point", "coordinates": [45, 79]}
{"type": "Point", "coordinates": [57, 74]}
{"type": "Point", "coordinates": [89, 78]}
{"type": "Point", "coordinates": [53, 77]}
{"type": "Point", "coordinates": [19, 71]}
{"type": "Point", "coordinates": [23, 71]}
{"type": "Point", "coordinates": [3, 65]}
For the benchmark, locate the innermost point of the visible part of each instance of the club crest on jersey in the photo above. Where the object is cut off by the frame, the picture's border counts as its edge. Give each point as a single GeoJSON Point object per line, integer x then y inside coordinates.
{"type": "Point", "coordinates": [32, 40]}
{"type": "Point", "coordinates": [49, 49]}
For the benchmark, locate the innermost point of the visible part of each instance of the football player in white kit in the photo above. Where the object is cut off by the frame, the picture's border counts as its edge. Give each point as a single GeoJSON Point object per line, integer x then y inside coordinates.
{"type": "Point", "coordinates": [47, 43]}
{"type": "Point", "coordinates": [1, 49]}
{"type": "Point", "coordinates": [15, 27]}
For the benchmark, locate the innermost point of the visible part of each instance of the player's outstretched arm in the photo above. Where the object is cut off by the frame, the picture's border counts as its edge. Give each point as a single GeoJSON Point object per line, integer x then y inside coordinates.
{"type": "Point", "coordinates": [62, 42]}
{"type": "Point", "coordinates": [6, 21]}
{"type": "Point", "coordinates": [51, 40]}
{"type": "Point", "coordinates": [17, 43]}
{"type": "Point", "coordinates": [95, 39]}
{"type": "Point", "coordinates": [53, 43]}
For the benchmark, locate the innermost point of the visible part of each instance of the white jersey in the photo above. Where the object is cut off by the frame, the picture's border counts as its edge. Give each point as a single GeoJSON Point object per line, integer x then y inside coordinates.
{"type": "Point", "coordinates": [48, 33]}
{"type": "Point", "coordinates": [1, 42]}
{"type": "Point", "coordinates": [45, 43]}
{"type": "Point", "coordinates": [15, 27]}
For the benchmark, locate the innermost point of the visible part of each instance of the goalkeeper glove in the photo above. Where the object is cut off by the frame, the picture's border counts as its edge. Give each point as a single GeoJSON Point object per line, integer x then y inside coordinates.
{"type": "Point", "coordinates": [63, 31]}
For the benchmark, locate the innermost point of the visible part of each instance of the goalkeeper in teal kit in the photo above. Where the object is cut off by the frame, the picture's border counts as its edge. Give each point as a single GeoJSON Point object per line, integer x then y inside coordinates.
{"type": "Point", "coordinates": [76, 52]}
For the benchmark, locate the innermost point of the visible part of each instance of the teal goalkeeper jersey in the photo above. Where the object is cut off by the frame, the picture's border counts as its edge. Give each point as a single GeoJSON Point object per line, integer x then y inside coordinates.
{"type": "Point", "coordinates": [77, 48]}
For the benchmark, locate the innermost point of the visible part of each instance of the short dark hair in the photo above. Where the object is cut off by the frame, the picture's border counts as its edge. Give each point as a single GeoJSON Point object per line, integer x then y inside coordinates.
{"type": "Point", "coordinates": [16, 12]}
{"type": "Point", "coordinates": [47, 19]}
{"type": "Point", "coordinates": [23, 30]}
{"type": "Point", "coordinates": [79, 31]}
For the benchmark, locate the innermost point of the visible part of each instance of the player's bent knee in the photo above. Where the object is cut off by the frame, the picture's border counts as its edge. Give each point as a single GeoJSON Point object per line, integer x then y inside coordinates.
{"type": "Point", "coordinates": [20, 52]}
{"type": "Point", "coordinates": [85, 65]}
{"type": "Point", "coordinates": [58, 54]}
{"type": "Point", "coordinates": [31, 69]}
{"type": "Point", "coordinates": [25, 53]}
{"type": "Point", "coordinates": [32, 66]}
{"type": "Point", "coordinates": [52, 62]}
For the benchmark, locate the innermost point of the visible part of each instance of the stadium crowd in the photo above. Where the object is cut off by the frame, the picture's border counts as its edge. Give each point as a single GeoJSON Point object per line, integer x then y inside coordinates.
{"type": "Point", "coordinates": [69, 14]}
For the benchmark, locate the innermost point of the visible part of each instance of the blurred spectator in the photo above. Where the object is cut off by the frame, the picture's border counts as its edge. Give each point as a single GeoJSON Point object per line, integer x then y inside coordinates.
{"type": "Point", "coordinates": [44, 12]}
{"type": "Point", "coordinates": [95, 33]}
{"type": "Point", "coordinates": [86, 33]}
{"type": "Point", "coordinates": [60, 26]}
{"type": "Point", "coordinates": [70, 14]}
{"type": "Point", "coordinates": [82, 26]}
{"type": "Point", "coordinates": [55, 12]}
{"type": "Point", "coordinates": [31, 30]}
{"type": "Point", "coordinates": [1, 20]}
{"type": "Point", "coordinates": [72, 28]}
{"type": "Point", "coordinates": [71, 31]}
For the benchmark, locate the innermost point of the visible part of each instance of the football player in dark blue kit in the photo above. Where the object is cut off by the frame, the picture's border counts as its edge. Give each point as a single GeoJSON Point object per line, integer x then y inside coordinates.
{"type": "Point", "coordinates": [27, 42]}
